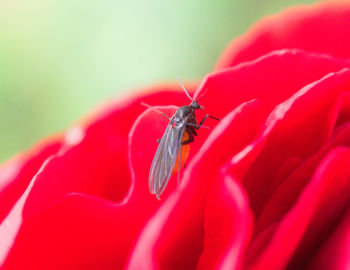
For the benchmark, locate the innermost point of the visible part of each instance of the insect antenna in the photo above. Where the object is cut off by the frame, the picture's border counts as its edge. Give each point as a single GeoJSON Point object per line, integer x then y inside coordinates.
{"type": "Point", "coordinates": [203, 93]}
{"type": "Point", "coordinates": [183, 87]}
{"type": "Point", "coordinates": [154, 109]}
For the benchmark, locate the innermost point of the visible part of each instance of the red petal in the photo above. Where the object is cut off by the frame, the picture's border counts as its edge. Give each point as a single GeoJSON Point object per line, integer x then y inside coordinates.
{"type": "Point", "coordinates": [285, 195]}
{"type": "Point", "coordinates": [79, 232]}
{"type": "Point", "coordinates": [95, 166]}
{"type": "Point", "coordinates": [312, 218]}
{"type": "Point", "coordinates": [344, 111]}
{"type": "Point", "coordinates": [334, 254]}
{"type": "Point", "coordinates": [321, 28]}
{"type": "Point", "coordinates": [172, 239]}
{"type": "Point", "coordinates": [16, 174]}
{"type": "Point", "coordinates": [297, 127]}
{"type": "Point", "coordinates": [271, 79]}
{"type": "Point", "coordinates": [227, 226]}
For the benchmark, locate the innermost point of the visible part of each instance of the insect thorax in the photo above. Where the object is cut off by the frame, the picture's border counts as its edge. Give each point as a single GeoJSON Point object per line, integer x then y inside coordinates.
{"type": "Point", "coordinates": [184, 114]}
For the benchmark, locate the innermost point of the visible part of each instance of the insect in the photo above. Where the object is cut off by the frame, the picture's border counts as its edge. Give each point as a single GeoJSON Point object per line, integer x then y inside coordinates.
{"type": "Point", "coordinates": [179, 133]}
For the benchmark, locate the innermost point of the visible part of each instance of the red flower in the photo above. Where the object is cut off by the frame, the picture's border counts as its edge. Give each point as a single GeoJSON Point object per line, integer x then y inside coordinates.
{"type": "Point", "coordinates": [267, 188]}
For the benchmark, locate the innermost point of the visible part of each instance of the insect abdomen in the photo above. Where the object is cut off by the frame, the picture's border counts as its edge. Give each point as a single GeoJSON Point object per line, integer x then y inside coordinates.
{"type": "Point", "coordinates": [185, 150]}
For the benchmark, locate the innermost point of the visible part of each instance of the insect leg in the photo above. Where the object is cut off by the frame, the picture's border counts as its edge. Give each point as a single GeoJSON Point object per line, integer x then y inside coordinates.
{"type": "Point", "coordinates": [196, 126]}
{"type": "Point", "coordinates": [205, 118]}
{"type": "Point", "coordinates": [155, 110]}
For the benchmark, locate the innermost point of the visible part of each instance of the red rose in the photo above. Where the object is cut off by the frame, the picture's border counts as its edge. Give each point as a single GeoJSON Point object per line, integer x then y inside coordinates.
{"type": "Point", "coordinates": [268, 187]}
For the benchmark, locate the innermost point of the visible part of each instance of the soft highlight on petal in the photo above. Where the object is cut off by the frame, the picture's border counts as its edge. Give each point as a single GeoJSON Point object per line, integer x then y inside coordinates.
{"type": "Point", "coordinates": [16, 174]}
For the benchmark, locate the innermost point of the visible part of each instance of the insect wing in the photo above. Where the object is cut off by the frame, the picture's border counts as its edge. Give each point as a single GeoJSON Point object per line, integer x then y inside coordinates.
{"type": "Point", "coordinates": [165, 159]}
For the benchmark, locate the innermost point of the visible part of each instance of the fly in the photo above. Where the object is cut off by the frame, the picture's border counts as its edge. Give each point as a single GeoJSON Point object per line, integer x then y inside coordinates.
{"type": "Point", "coordinates": [180, 132]}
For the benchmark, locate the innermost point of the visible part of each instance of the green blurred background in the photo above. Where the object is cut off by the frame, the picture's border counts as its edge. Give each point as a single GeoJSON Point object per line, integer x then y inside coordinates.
{"type": "Point", "coordinates": [59, 58]}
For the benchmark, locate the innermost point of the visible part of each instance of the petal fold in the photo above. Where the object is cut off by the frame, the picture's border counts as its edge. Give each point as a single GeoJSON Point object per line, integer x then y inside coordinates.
{"type": "Point", "coordinates": [312, 218]}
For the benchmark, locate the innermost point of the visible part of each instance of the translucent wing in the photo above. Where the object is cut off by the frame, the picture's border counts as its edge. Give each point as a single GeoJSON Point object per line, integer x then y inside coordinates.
{"type": "Point", "coordinates": [165, 159]}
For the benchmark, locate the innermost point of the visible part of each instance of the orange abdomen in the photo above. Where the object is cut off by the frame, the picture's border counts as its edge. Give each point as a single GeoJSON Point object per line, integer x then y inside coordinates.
{"type": "Point", "coordinates": [185, 150]}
